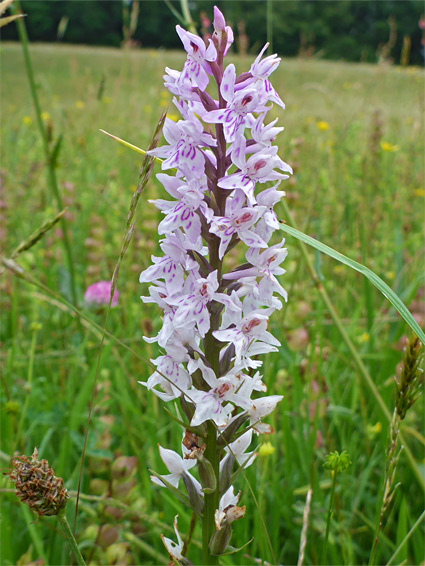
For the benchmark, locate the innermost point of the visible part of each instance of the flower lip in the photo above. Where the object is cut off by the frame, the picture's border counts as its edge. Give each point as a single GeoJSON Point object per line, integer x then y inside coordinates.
{"type": "Point", "coordinates": [246, 328]}
{"type": "Point", "coordinates": [260, 164]}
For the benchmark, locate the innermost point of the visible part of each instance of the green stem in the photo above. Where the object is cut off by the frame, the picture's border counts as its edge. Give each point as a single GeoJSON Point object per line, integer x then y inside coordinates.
{"type": "Point", "coordinates": [212, 353]}
{"type": "Point", "coordinates": [29, 384]}
{"type": "Point", "coordinates": [15, 8]}
{"type": "Point", "coordinates": [328, 522]}
{"type": "Point", "coordinates": [210, 500]}
{"type": "Point", "coordinates": [70, 538]}
{"type": "Point", "coordinates": [269, 18]}
{"type": "Point", "coordinates": [187, 16]}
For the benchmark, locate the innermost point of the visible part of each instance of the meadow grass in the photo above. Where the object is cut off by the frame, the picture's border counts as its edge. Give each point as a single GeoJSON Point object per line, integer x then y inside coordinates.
{"type": "Point", "coordinates": [354, 135]}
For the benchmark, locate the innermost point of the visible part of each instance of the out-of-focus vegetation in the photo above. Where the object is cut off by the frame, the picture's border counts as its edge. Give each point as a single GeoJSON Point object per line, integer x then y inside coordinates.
{"type": "Point", "coordinates": [354, 135]}
{"type": "Point", "coordinates": [344, 30]}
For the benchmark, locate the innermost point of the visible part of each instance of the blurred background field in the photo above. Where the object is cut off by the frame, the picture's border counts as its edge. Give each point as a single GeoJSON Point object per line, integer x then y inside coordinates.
{"type": "Point", "coordinates": [354, 134]}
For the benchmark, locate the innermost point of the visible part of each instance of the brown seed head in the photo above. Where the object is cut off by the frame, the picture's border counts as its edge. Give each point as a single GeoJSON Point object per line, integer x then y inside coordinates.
{"type": "Point", "coordinates": [36, 484]}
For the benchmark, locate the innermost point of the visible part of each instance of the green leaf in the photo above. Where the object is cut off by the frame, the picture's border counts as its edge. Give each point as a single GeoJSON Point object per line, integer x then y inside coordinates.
{"type": "Point", "coordinates": [373, 278]}
{"type": "Point", "coordinates": [233, 550]}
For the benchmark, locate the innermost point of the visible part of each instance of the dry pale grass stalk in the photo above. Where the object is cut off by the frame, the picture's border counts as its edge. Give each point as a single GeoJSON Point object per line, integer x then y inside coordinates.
{"type": "Point", "coordinates": [303, 539]}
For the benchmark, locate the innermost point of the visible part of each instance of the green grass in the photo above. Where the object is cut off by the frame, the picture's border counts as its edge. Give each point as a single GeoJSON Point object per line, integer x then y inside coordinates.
{"type": "Point", "coordinates": [347, 191]}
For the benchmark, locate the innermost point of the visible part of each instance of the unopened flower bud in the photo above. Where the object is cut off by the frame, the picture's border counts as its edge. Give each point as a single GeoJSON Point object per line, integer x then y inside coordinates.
{"type": "Point", "coordinates": [226, 473]}
{"type": "Point", "coordinates": [37, 486]}
{"type": "Point", "coordinates": [206, 475]}
{"type": "Point", "coordinates": [219, 21]}
{"type": "Point", "coordinates": [227, 435]}
{"type": "Point", "coordinates": [187, 407]}
{"type": "Point", "coordinates": [195, 498]}
{"type": "Point", "coordinates": [220, 540]}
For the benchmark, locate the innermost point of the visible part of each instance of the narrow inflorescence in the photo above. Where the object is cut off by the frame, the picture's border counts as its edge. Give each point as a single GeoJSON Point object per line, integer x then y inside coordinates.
{"type": "Point", "coordinates": [215, 316]}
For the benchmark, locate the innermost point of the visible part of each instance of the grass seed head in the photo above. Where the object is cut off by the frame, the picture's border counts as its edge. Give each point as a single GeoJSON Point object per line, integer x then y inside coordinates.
{"type": "Point", "coordinates": [409, 385]}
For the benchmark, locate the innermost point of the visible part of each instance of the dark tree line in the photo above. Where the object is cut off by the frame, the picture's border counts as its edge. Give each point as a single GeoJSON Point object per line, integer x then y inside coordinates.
{"type": "Point", "coordinates": [352, 30]}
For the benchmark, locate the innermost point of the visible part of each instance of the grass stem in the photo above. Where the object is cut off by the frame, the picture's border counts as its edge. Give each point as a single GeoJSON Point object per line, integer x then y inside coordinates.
{"type": "Point", "coordinates": [328, 521]}
{"type": "Point", "coordinates": [51, 173]}
{"type": "Point", "coordinates": [29, 382]}
{"type": "Point", "coordinates": [70, 538]}
{"type": "Point", "coordinates": [406, 538]}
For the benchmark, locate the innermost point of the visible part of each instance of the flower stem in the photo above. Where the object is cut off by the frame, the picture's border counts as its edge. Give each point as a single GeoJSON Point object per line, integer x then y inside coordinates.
{"type": "Point", "coordinates": [212, 353]}
{"type": "Point", "coordinates": [328, 522]}
{"type": "Point", "coordinates": [70, 538]}
{"type": "Point", "coordinates": [210, 500]}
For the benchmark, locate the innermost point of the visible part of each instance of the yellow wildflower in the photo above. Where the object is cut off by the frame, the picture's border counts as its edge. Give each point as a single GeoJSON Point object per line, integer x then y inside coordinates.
{"type": "Point", "coordinates": [266, 449]}
{"type": "Point", "coordinates": [173, 117]}
{"type": "Point", "coordinates": [106, 100]}
{"type": "Point", "coordinates": [373, 430]}
{"type": "Point", "coordinates": [45, 116]}
{"type": "Point", "coordinates": [163, 103]}
{"type": "Point", "coordinates": [322, 126]}
{"type": "Point", "coordinates": [386, 146]}
{"type": "Point", "coordinates": [364, 337]}
{"type": "Point", "coordinates": [27, 120]}
{"type": "Point", "coordinates": [79, 104]}
{"type": "Point", "coordinates": [419, 192]}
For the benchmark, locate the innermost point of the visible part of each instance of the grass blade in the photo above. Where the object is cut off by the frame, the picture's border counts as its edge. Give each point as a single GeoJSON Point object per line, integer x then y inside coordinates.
{"type": "Point", "coordinates": [406, 538]}
{"type": "Point", "coordinates": [373, 278]}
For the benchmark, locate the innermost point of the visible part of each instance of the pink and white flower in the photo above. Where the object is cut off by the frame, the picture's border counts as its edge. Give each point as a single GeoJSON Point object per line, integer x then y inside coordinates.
{"type": "Point", "coordinates": [237, 221]}
{"type": "Point", "coordinates": [215, 321]}
{"type": "Point", "coordinates": [186, 139]}
{"type": "Point", "coordinates": [196, 68]}
{"type": "Point", "coordinates": [258, 168]}
{"type": "Point", "coordinates": [99, 294]}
